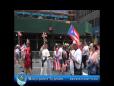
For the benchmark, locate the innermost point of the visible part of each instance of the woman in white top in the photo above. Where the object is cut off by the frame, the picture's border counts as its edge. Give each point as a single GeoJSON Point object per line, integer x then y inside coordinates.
{"type": "Point", "coordinates": [93, 61]}
{"type": "Point", "coordinates": [56, 60]}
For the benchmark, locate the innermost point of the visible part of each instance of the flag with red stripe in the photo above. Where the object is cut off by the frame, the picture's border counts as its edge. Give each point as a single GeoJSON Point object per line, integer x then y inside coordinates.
{"type": "Point", "coordinates": [73, 34]}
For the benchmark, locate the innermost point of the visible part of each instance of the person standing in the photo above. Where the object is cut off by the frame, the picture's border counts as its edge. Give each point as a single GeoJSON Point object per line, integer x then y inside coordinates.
{"type": "Point", "coordinates": [56, 60]}
{"type": "Point", "coordinates": [23, 53]}
{"type": "Point", "coordinates": [60, 51]}
{"type": "Point", "coordinates": [77, 59]}
{"type": "Point", "coordinates": [28, 58]}
{"type": "Point", "coordinates": [71, 60]}
{"type": "Point", "coordinates": [45, 58]}
{"type": "Point", "coordinates": [93, 61]}
{"type": "Point", "coordinates": [64, 58]}
{"type": "Point", "coordinates": [85, 54]}
{"type": "Point", "coordinates": [17, 53]}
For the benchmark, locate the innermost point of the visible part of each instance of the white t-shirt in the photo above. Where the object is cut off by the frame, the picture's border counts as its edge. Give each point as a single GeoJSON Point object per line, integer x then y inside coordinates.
{"type": "Point", "coordinates": [78, 57]}
{"type": "Point", "coordinates": [85, 50]}
{"type": "Point", "coordinates": [60, 52]}
{"type": "Point", "coordinates": [72, 52]}
{"type": "Point", "coordinates": [71, 62]}
{"type": "Point", "coordinates": [56, 55]}
{"type": "Point", "coordinates": [45, 53]}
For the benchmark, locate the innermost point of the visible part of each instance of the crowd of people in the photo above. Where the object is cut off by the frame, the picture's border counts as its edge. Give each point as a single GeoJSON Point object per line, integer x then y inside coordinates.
{"type": "Point", "coordinates": [71, 58]}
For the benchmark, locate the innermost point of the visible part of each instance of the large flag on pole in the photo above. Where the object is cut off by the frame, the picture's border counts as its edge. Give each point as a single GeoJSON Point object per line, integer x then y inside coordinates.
{"type": "Point", "coordinates": [74, 34]}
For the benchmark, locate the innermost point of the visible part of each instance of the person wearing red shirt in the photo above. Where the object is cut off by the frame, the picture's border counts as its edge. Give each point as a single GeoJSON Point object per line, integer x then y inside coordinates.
{"type": "Point", "coordinates": [28, 58]}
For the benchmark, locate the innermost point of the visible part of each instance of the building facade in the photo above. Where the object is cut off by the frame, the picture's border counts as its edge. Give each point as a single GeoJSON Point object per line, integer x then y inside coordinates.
{"type": "Point", "coordinates": [56, 23]}
{"type": "Point", "coordinates": [90, 16]}
{"type": "Point", "coordinates": [32, 23]}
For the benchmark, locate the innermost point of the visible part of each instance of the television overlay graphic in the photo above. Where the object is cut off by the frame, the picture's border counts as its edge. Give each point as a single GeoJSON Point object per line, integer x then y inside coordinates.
{"type": "Point", "coordinates": [69, 60]}
{"type": "Point", "coordinates": [21, 79]}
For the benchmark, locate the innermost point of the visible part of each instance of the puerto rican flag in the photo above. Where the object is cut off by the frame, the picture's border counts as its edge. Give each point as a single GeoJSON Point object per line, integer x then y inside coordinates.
{"type": "Point", "coordinates": [73, 34]}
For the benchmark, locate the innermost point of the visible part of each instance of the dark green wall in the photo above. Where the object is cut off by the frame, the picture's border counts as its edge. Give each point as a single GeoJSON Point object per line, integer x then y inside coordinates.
{"type": "Point", "coordinates": [84, 27]}
{"type": "Point", "coordinates": [28, 24]}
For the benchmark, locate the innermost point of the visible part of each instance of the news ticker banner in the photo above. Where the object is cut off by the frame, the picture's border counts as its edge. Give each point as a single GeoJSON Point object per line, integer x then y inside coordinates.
{"type": "Point", "coordinates": [25, 78]}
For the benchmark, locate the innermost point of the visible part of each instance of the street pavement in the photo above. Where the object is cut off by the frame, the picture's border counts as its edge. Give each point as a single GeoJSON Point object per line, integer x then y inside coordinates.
{"type": "Point", "coordinates": [36, 68]}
